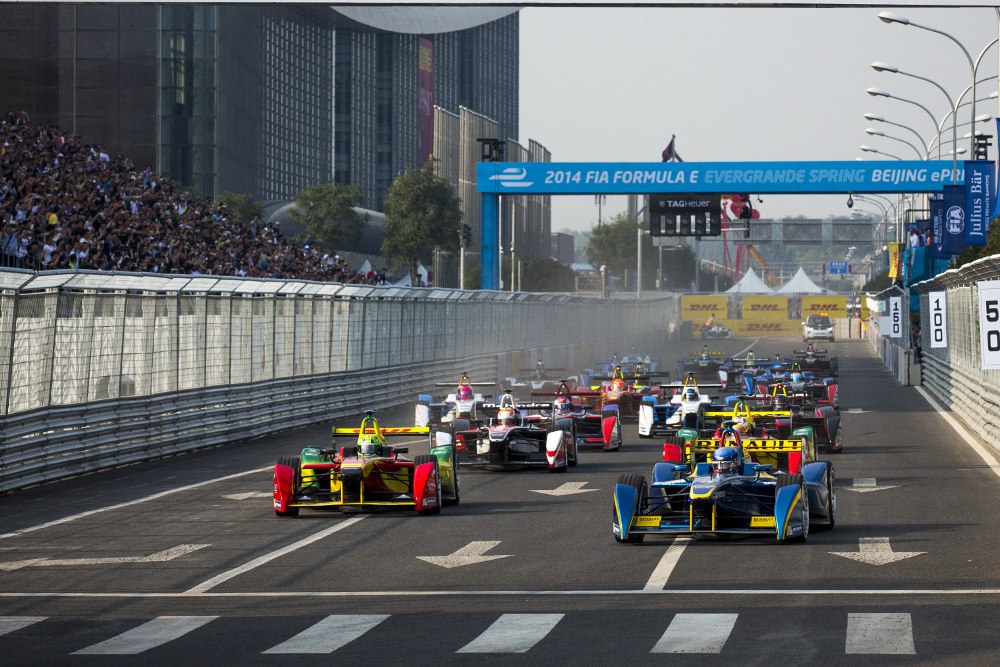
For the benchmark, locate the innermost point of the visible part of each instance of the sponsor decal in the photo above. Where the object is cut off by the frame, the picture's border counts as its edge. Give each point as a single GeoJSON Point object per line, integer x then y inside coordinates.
{"type": "Point", "coordinates": [647, 521]}
{"type": "Point", "coordinates": [954, 220]}
{"type": "Point", "coordinates": [834, 306]}
{"type": "Point", "coordinates": [764, 307]}
{"type": "Point", "coordinates": [762, 522]}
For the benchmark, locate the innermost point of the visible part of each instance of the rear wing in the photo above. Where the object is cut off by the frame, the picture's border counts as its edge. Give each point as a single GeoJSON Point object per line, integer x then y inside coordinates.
{"type": "Point", "coordinates": [782, 454]}
{"type": "Point", "coordinates": [388, 431]}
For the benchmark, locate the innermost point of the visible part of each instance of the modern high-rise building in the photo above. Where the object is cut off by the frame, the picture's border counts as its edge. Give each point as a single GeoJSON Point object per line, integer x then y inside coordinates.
{"type": "Point", "coordinates": [260, 99]}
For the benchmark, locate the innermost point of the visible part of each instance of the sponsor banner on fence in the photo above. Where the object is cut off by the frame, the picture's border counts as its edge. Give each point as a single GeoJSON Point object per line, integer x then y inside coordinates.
{"type": "Point", "coordinates": [834, 306]}
{"type": "Point", "coordinates": [766, 328]}
{"type": "Point", "coordinates": [697, 308]}
{"type": "Point", "coordinates": [757, 308]}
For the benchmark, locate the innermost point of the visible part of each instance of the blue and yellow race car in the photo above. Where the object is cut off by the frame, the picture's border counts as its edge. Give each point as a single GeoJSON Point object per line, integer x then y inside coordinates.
{"type": "Point", "coordinates": [727, 494]}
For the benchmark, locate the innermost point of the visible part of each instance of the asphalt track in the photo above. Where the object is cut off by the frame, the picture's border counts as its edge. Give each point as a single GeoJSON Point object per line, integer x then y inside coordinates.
{"type": "Point", "coordinates": [183, 560]}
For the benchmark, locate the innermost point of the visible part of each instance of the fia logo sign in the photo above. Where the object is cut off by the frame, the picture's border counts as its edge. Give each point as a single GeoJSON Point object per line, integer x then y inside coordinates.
{"type": "Point", "coordinates": [955, 220]}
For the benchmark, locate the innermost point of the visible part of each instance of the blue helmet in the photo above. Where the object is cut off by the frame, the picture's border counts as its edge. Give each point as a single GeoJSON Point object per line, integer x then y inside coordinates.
{"type": "Point", "coordinates": [727, 460]}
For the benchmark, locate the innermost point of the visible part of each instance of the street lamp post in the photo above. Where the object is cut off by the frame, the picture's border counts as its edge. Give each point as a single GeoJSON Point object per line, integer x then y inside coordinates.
{"type": "Point", "coordinates": [875, 133]}
{"type": "Point", "coordinates": [890, 17]}
{"type": "Point", "coordinates": [982, 118]}
{"type": "Point", "coordinates": [879, 66]}
{"type": "Point", "coordinates": [879, 119]}
{"type": "Point", "coordinates": [878, 92]}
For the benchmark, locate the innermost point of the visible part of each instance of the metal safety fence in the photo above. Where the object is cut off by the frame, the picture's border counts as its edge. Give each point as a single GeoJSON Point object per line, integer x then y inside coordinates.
{"type": "Point", "coordinates": [954, 373]}
{"type": "Point", "coordinates": [99, 369]}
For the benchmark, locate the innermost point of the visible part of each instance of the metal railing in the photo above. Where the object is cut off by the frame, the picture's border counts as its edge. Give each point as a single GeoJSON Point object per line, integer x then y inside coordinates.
{"type": "Point", "coordinates": [98, 370]}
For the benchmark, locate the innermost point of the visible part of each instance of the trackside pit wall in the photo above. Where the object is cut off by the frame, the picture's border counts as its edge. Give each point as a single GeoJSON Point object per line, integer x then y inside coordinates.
{"type": "Point", "coordinates": [896, 353]}
{"type": "Point", "coordinates": [954, 374]}
{"type": "Point", "coordinates": [97, 370]}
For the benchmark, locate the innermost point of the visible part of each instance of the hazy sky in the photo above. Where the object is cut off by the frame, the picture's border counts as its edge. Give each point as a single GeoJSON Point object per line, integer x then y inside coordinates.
{"type": "Point", "coordinates": [613, 83]}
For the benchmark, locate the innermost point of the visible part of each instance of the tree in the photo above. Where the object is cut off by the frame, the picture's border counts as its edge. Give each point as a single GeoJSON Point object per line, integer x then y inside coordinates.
{"type": "Point", "coordinates": [421, 212]}
{"type": "Point", "coordinates": [243, 208]}
{"type": "Point", "coordinates": [613, 245]}
{"type": "Point", "coordinates": [547, 275]}
{"type": "Point", "coordinates": [974, 252]}
{"type": "Point", "coordinates": [326, 213]}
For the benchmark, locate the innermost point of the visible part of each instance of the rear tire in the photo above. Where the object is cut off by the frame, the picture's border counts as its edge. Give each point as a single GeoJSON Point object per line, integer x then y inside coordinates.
{"type": "Point", "coordinates": [641, 500]}
{"type": "Point", "coordinates": [831, 494]}
{"type": "Point", "coordinates": [430, 458]}
{"type": "Point", "coordinates": [454, 463]}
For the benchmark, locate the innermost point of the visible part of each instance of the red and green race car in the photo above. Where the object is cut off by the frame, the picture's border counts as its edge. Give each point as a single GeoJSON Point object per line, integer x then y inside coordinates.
{"type": "Point", "coordinates": [370, 474]}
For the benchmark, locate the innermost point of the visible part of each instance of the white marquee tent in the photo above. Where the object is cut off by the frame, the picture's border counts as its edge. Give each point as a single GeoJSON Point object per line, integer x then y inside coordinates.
{"type": "Point", "coordinates": [750, 283]}
{"type": "Point", "coordinates": [800, 284]}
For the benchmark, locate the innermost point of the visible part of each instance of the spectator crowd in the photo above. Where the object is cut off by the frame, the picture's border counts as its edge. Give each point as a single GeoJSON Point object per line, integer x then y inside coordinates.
{"type": "Point", "coordinates": [69, 205]}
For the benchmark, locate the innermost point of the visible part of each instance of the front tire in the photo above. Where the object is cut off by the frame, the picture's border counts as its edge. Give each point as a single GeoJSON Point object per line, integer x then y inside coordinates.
{"type": "Point", "coordinates": [792, 480]}
{"type": "Point", "coordinates": [292, 462]}
{"type": "Point", "coordinates": [641, 500]}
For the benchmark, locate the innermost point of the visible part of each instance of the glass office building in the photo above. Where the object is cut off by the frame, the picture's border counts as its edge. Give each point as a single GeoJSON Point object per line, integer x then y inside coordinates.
{"type": "Point", "coordinates": [260, 99]}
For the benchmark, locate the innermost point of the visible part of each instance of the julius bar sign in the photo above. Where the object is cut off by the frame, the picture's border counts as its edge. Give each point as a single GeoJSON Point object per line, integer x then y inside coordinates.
{"type": "Point", "coordinates": [692, 214]}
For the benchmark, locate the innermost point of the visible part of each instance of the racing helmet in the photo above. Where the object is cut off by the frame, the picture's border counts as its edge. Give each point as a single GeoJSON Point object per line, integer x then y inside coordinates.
{"type": "Point", "coordinates": [780, 402]}
{"type": "Point", "coordinates": [562, 406]}
{"type": "Point", "coordinates": [742, 424]}
{"type": "Point", "coordinates": [795, 376]}
{"type": "Point", "coordinates": [618, 384]}
{"type": "Point", "coordinates": [690, 394]}
{"type": "Point", "coordinates": [507, 417]}
{"type": "Point", "coordinates": [369, 445]}
{"type": "Point", "coordinates": [465, 393]}
{"type": "Point", "coordinates": [727, 460]}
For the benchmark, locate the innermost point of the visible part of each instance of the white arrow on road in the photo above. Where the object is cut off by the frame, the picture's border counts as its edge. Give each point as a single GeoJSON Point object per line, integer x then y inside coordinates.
{"type": "Point", "coordinates": [159, 557]}
{"type": "Point", "coordinates": [567, 489]}
{"type": "Point", "coordinates": [876, 551]}
{"type": "Point", "coordinates": [473, 553]}
{"type": "Point", "coordinates": [866, 484]}
{"type": "Point", "coordinates": [248, 495]}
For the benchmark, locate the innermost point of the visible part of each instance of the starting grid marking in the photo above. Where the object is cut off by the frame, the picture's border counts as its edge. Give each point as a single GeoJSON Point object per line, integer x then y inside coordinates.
{"type": "Point", "coordinates": [866, 634]}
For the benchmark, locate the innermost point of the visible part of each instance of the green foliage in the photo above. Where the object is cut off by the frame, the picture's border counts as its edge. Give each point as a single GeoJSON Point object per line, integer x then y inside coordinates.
{"type": "Point", "coordinates": [327, 215]}
{"type": "Point", "coordinates": [546, 275]}
{"type": "Point", "coordinates": [473, 277]}
{"type": "Point", "coordinates": [974, 252]}
{"type": "Point", "coordinates": [678, 267]}
{"type": "Point", "coordinates": [243, 208]}
{"type": "Point", "coordinates": [421, 212]}
{"type": "Point", "coordinates": [613, 245]}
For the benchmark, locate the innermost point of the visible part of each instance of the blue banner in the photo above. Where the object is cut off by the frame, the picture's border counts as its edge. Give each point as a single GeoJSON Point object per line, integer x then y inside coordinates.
{"type": "Point", "coordinates": [978, 201]}
{"type": "Point", "coordinates": [839, 267]}
{"type": "Point", "coordinates": [948, 221]}
{"type": "Point", "coordinates": [716, 177]}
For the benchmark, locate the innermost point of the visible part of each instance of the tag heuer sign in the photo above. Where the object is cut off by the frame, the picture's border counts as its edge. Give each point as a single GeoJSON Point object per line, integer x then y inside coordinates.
{"type": "Point", "coordinates": [685, 214]}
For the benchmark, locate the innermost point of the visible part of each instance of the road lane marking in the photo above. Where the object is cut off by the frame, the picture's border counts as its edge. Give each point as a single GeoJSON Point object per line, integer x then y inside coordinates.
{"type": "Point", "coordinates": [266, 558]}
{"type": "Point", "coordinates": [149, 635]}
{"type": "Point", "coordinates": [567, 489]}
{"type": "Point", "coordinates": [666, 565]}
{"type": "Point", "coordinates": [876, 551]}
{"type": "Point", "coordinates": [513, 633]}
{"type": "Point", "coordinates": [696, 633]}
{"type": "Point", "coordinates": [158, 557]}
{"type": "Point", "coordinates": [129, 503]}
{"type": "Point", "coordinates": [990, 460]}
{"type": "Point", "coordinates": [879, 634]}
{"type": "Point", "coordinates": [329, 634]}
{"type": "Point", "coordinates": [676, 592]}
{"type": "Point", "coordinates": [12, 623]}
{"type": "Point", "coordinates": [474, 552]}
{"type": "Point", "coordinates": [248, 495]}
{"type": "Point", "coordinates": [867, 484]}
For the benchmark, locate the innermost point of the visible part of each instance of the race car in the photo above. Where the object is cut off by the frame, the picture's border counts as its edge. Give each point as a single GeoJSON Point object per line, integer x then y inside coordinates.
{"type": "Point", "coordinates": [714, 331]}
{"type": "Point", "coordinates": [728, 494]}
{"type": "Point", "coordinates": [540, 379]}
{"type": "Point", "coordinates": [625, 392]}
{"type": "Point", "coordinates": [519, 436]}
{"type": "Point", "coordinates": [685, 408]}
{"type": "Point", "coordinates": [461, 404]}
{"type": "Point", "coordinates": [816, 361]}
{"type": "Point", "coordinates": [590, 428]}
{"type": "Point", "coordinates": [369, 474]}
{"type": "Point", "coordinates": [704, 365]}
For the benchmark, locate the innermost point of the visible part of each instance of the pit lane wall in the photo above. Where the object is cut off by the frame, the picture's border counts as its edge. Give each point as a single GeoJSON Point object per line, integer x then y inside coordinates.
{"type": "Point", "coordinates": [954, 373]}
{"type": "Point", "coordinates": [98, 370]}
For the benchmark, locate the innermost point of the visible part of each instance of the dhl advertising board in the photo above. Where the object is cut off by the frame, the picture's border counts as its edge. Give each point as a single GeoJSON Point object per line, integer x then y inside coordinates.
{"type": "Point", "coordinates": [697, 308]}
{"type": "Point", "coordinates": [834, 306]}
{"type": "Point", "coordinates": [765, 308]}
{"type": "Point", "coordinates": [747, 327]}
